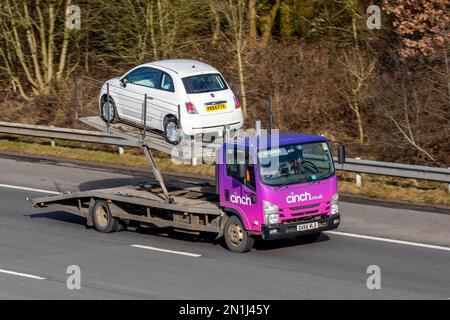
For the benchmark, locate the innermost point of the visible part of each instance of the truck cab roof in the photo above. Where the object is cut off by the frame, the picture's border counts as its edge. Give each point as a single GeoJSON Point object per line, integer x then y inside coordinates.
{"type": "Point", "coordinates": [265, 141]}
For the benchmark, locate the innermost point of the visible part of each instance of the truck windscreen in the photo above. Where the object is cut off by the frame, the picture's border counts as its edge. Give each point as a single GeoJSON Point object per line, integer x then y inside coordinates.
{"type": "Point", "coordinates": [295, 163]}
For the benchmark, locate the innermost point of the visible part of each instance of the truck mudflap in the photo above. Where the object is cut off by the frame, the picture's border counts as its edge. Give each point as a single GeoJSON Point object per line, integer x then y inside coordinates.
{"type": "Point", "coordinates": [288, 230]}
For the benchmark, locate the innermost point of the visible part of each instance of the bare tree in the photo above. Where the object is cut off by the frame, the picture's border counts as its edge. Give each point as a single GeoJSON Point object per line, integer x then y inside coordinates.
{"type": "Point", "coordinates": [34, 44]}
{"type": "Point", "coordinates": [359, 70]}
{"type": "Point", "coordinates": [235, 14]}
{"type": "Point", "coordinates": [151, 28]}
{"type": "Point", "coordinates": [407, 118]}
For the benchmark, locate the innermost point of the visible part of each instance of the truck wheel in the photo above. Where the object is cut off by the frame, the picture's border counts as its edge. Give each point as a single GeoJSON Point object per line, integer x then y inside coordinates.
{"type": "Point", "coordinates": [102, 218]}
{"type": "Point", "coordinates": [309, 238]}
{"type": "Point", "coordinates": [236, 238]}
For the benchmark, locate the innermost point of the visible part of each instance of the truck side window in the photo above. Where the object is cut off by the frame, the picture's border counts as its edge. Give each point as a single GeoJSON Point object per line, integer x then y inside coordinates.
{"type": "Point", "coordinates": [238, 156]}
{"type": "Point", "coordinates": [251, 171]}
{"type": "Point", "coordinates": [234, 157]}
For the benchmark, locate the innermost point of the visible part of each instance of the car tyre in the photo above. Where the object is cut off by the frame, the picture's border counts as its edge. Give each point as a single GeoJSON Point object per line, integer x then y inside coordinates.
{"type": "Point", "coordinates": [112, 116]}
{"type": "Point", "coordinates": [172, 130]}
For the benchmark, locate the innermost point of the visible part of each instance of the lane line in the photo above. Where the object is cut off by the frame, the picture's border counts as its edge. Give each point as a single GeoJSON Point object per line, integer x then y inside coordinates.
{"type": "Point", "coordinates": [28, 189]}
{"type": "Point", "coordinates": [25, 275]}
{"type": "Point", "coordinates": [408, 243]}
{"type": "Point", "coordinates": [168, 251]}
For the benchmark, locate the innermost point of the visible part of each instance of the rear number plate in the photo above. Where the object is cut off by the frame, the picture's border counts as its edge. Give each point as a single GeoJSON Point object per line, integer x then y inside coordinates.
{"type": "Point", "coordinates": [216, 107]}
{"type": "Point", "coordinates": [307, 226]}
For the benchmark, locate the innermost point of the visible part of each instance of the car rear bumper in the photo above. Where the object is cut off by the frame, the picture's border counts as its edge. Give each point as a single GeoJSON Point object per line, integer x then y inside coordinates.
{"type": "Point", "coordinates": [287, 230]}
{"type": "Point", "coordinates": [196, 124]}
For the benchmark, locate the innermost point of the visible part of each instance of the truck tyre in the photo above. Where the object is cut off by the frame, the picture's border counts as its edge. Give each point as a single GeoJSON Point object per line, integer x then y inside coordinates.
{"type": "Point", "coordinates": [108, 115]}
{"type": "Point", "coordinates": [102, 218]}
{"type": "Point", "coordinates": [236, 238]}
{"type": "Point", "coordinates": [309, 238]}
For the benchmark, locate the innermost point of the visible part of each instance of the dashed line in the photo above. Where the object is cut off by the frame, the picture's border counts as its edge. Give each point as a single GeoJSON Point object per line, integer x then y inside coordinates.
{"type": "Point", "coordinates": [195, 255]}
{"type": "Point", "coordinates": [407, 243]}
{"type": "Point", "coordinates": [28, 189]}
{"type": "Point", "coordinates": [25, 275]}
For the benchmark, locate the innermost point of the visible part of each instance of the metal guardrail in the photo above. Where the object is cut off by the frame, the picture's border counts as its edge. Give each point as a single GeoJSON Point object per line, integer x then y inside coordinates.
{"type": "Point", "coordinates": [351, 165]}
{"type": "Point", "coordinates": [65, 134]}
{"type": "Point", "coordinates": [395, 169]}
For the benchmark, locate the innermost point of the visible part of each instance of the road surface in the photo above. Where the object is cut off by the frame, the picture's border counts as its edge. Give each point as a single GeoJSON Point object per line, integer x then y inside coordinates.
{"type": "Point", "coordinates": [38, 245]}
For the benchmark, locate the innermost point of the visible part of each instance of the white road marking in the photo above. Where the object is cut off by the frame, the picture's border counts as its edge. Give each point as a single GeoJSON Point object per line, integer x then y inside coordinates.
{"type": "Point", "coordinates": [28, 189]}
{"type": "Point", "coordinates": [21, 274]}
{"type": "Point", "coordinates": [408, 243]}
{"type": "Point", "coordinates": [168, 251]}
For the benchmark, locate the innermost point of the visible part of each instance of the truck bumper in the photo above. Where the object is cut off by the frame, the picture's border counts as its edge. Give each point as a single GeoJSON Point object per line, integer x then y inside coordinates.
{"type": "Point", "coordinates": [288, 230]}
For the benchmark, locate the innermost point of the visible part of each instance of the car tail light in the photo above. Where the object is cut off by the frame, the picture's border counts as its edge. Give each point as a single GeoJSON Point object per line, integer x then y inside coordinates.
{"type": "Point", "coordinates": [237, 104]}
{"type": "Point", "coordinates": [190, 108]}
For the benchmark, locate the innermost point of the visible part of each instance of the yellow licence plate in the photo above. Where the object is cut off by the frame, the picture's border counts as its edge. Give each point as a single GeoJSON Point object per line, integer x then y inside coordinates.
{"type": "Point", "coordinates": [216, 107]}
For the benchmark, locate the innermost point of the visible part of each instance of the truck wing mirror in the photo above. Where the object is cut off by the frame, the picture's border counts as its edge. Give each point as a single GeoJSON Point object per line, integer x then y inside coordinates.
{"type": "Point", "coordinates": [341, 154]}
{"type": "Point", "coordinates": [124, 82]}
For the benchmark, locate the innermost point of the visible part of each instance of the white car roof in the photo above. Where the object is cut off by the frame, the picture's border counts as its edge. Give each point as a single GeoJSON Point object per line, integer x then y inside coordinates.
{"type": "Point", "coordinates": [184, 67]}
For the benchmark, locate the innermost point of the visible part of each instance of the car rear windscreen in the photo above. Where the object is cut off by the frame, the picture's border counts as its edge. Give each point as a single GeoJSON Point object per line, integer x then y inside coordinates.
{"type": "Point", "coordinates": [204, 83]}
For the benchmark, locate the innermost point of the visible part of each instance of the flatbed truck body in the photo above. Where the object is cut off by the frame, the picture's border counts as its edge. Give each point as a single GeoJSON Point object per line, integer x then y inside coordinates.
{"type": "Point", "coordinates": [263, 190]}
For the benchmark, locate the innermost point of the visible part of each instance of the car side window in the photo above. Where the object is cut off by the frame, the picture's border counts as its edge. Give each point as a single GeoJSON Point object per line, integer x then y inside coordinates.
{"type": "Point", "coordinates": [147, 77]}
{"type": "Point", "coordinates": [167, 82]}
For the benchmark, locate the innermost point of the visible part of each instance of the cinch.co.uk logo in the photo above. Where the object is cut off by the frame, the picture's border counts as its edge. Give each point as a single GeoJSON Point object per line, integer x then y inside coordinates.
{"type": "Point", "coordinates": [305, 196]}
{"type": "Point", "coordinates": [244, 200]}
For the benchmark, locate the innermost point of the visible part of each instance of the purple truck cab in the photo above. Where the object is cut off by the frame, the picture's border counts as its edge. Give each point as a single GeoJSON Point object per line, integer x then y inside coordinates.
{"type": "Point", "coordinates": [277, 189]}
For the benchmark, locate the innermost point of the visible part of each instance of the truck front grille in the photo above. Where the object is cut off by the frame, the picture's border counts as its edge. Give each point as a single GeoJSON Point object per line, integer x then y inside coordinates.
{"type": "Point", "coordinates": [304, 213]}
{"type": "Point", "coordinates": [303, 219]}
{"type": "Point", "coordinates": [314, 205]}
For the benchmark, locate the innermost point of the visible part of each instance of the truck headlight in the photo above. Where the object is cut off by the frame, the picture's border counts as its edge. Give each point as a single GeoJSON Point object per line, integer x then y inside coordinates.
{"type": "Point", "coordinates": [270, 213]}
{"type": "Point", "coordinates": [334, 204]}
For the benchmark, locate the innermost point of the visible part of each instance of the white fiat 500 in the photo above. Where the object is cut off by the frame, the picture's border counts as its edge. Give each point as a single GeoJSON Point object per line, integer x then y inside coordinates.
{"type": "Point", "coordinates": [184, 97]}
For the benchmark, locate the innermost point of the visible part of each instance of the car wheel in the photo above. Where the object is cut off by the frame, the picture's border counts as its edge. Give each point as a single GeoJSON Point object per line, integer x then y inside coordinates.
{"type": "Point", "coordinates": [108, 111]}
{"type": "Point", "coordinates": [236, 237]}
{"type": "Point", "coordinates": [171, 130]}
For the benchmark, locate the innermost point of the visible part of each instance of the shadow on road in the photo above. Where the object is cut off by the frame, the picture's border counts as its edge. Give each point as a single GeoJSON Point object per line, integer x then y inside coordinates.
{"type": "Point", "coordinates": [285, 243]}
{"type": "Point", "coordinates": [260, 245]}
{"type": "Point", "coordinates": [59, 216]}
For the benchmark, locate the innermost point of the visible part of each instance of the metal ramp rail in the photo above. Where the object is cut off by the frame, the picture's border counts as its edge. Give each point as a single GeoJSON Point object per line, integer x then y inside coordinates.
{"type": "Point", "coordinates": [125, 135]}
{"type": "Point", "coordinates": [187, 151]}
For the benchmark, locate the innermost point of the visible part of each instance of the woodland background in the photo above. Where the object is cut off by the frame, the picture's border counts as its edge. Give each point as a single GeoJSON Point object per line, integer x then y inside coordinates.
{"type": "Point", "coordinates": [384, 92]}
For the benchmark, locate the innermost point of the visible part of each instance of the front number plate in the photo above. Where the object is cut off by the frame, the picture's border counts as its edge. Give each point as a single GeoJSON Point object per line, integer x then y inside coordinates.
{"type": "Point", "coordinates": [216, 107]}
{"type": "Point", "coordinates": [307, 226]}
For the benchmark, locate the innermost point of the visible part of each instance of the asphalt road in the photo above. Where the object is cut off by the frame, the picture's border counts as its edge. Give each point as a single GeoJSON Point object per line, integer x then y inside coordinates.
{"type": "Point", "coordinates": [37, 247]}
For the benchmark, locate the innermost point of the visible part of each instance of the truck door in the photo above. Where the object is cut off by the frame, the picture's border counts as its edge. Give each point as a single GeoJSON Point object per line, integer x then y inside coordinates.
{"type": "Point", "coordinates": [240, 189]}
